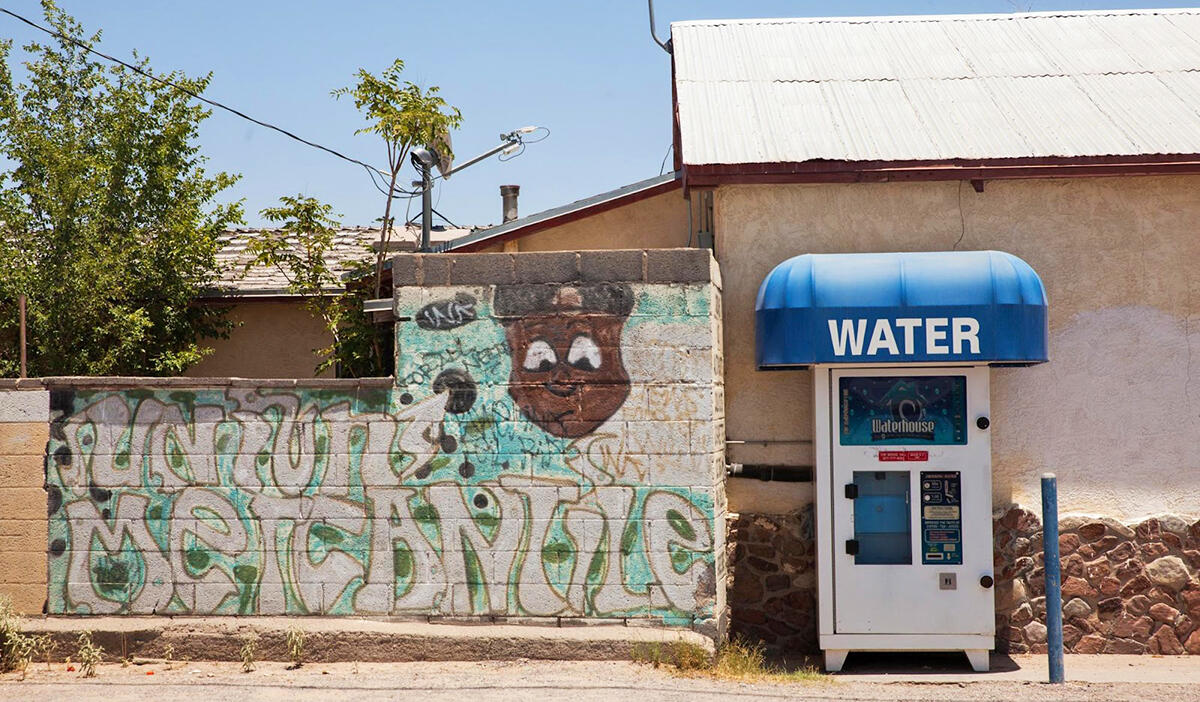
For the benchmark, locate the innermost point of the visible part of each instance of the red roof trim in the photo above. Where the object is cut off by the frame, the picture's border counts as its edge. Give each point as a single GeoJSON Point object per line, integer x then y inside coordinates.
{"type": "Point", "coordinates": [957, 169]}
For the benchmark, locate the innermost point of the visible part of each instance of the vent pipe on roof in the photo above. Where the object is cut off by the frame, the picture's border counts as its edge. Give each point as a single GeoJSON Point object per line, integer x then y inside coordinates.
{"type": "Point", "coordinates": [508, 198]}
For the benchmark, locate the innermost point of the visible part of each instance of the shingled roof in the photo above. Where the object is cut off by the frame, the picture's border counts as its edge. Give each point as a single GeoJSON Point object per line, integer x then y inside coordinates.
{"type": "Point", "coordinates": [350, 244]}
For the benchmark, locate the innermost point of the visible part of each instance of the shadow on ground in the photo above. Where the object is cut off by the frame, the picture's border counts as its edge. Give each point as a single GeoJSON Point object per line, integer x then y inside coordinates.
{"type": "Point", "coordinates": [909, 664]}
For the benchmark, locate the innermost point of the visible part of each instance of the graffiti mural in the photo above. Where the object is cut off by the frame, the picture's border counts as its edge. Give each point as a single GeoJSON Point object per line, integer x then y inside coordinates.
{"type": "Point", "coordinates": [546, 451]}
{"type": "Point", "coordinates": [567, 373]}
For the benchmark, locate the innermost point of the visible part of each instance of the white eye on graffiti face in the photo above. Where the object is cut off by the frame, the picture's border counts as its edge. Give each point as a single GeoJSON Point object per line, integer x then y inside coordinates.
{"type": "Point", "coordinates": [584, 354]}
{"type": "Point", "coordinates": [540, 356]}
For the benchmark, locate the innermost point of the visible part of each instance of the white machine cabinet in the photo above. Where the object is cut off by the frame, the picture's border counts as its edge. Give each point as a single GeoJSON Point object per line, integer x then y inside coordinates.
{"type": "Point", "coordinates": [900, 347]}
{"type": "Point", "coordinates": [904, 515]}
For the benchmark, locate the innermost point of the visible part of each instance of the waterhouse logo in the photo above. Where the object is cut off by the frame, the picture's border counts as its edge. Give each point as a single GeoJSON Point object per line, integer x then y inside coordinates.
{"type": "Point", "coordinates": [884, 429]}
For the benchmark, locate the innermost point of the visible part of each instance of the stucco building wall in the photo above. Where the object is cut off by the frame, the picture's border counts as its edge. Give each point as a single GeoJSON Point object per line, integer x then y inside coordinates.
{"type": "Point", "coordinates": [272, 339]}
{"type": "Point", "coordinates": [1114, 413]}
{"type": "Point", "coordinates": [658, 222]}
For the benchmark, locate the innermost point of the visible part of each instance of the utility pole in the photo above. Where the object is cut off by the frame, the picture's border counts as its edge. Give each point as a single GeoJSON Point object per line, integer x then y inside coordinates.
{"type": "Point", "coordinates": [425, 159]}
{"type": "Point", "coordinates": [426, 203]}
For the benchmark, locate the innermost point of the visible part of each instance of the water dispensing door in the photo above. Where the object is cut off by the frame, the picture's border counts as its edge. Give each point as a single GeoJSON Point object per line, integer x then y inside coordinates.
{"type": "Point", "coordinates": [912, 501]}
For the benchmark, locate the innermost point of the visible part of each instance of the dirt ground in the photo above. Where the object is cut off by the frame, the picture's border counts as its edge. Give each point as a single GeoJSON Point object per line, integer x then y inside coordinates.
{"type": "Point", "coordinates": [574, 680]}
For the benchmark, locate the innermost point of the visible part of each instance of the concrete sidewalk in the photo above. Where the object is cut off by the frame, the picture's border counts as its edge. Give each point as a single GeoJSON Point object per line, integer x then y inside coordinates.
{"type": "Point", "coordinates": [953, 668]}
{"type": "Point", "coordinates": [331, 639]}
{"type": "Point", "coordinates": [334, 639]}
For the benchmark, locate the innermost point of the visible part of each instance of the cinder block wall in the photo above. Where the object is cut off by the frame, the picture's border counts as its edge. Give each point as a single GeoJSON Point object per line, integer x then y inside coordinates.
{"type": "Point", "coordinates": [23, 435]}
{"type": "Point", "coordinates": [216, 496]}
{"type": "Point", "coordinates": [583, 441]}
{"type": "Point", "coordinates": [551, 449]}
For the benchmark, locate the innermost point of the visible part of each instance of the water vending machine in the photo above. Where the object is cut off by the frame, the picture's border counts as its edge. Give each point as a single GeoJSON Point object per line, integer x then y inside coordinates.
{"type": "Point", "coordinates": [900, 347]}
{"type": "Point", "coordinates": [905, 557]}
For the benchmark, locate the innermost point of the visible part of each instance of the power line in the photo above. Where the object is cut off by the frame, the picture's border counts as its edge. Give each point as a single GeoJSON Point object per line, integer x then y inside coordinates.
{"type": "Point", "coordinates": [372, 170]}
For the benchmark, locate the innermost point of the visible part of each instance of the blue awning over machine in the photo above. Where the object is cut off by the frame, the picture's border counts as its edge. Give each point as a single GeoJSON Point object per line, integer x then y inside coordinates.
{"type": "Point", "coordinates": [951, 306]}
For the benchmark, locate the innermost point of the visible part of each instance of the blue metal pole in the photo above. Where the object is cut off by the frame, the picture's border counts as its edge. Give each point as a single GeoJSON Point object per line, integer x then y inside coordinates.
{"type": "Point", "coordinates": [1053, 569]}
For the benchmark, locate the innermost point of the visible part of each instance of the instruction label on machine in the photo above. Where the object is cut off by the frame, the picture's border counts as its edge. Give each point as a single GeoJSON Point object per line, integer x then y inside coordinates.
{"type": "Point", "coordinates": [941, 518]}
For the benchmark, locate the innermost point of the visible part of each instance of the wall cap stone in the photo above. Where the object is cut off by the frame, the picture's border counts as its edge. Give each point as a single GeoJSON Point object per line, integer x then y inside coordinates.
{"type": "Point", "coordinates": [22, 384]}
{"type": "Point", "coordinates": [125, 382]}
{"type": "Point", "coordinates": [682, 265]}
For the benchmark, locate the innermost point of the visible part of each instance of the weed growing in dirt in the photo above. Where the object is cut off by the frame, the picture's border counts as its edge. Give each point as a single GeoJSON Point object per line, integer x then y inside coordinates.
{"type": "Point", "coordinates": [249, 648]}
{"type": "Point", "coordinates": [18, 649]}
{"type": "Point", "coordinates": [295, 647]}
{"type": "Point", "coordinates": [680, 654]}
{"type": "Point", "coordinates": [742, 660]}
{"type": "Point", "coordinates": [735, 660]}
{"type": "Point", "coordinates": [48, 646]}
{"type": "Point", "coordinates": [89, 655]}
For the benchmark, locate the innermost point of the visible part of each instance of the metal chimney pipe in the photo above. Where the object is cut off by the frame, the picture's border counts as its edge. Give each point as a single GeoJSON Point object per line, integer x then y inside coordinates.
{"type": "Point", "coordinates": [508, 198]}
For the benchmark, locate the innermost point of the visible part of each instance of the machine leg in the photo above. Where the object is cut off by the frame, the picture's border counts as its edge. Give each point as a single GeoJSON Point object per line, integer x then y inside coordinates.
{"type": "Point", "coordinates": [979, 659]}
{"type": "Point", "coordinates": [835, 659]}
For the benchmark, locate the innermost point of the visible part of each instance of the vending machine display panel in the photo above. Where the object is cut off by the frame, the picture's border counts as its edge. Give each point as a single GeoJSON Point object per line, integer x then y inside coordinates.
{"type": "Point", "coordinates": [898, 410]}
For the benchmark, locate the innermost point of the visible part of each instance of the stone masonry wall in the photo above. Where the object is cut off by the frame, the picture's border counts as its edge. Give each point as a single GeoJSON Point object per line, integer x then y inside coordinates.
{"type": "Point", "coordinates": [550, 449]}
{"type": "Point", "coordinates": [1125, 588]}
{"type": "Point", "coordinates": [773, 579]}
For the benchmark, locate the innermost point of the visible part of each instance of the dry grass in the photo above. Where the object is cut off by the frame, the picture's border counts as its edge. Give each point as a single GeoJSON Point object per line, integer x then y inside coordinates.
{"type": "Point", "coordinates": [680, 655]}
{"type": "Point", "coordinates": [736, 660]}
{"type": "Point", "coordinates": [741, 660]}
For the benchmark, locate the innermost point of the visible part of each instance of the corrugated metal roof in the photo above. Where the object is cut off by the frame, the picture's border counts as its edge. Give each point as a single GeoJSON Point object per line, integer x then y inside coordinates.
{"type": "Point", "coordinates": [939, 88]}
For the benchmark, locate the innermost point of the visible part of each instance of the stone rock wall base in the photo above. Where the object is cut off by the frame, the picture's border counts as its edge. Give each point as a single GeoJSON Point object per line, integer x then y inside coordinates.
{"type": "Point", "coordinates": [773, 580]}
{"type": "Point", "coordinates": [1126, 588]}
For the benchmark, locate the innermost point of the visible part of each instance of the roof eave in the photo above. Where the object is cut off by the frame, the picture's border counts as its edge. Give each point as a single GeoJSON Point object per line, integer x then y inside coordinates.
{"type": "Point", "coordinates": [260, 294]}
{"type": "Point", "coordinates": [708, 175]}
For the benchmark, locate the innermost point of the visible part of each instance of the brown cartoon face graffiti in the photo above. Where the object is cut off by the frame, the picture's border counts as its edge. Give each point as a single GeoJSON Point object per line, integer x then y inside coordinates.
{"type": "Point", "coordinates": [567, 374]}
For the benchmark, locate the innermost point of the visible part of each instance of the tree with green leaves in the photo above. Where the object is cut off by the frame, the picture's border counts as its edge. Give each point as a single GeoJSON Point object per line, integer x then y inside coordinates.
{"type": "Point", "coordinates": [299, 249]}
{"type": "Point", "coordinates": [108, 219]}
{"type": "Point", "coordinates": [405, 117]}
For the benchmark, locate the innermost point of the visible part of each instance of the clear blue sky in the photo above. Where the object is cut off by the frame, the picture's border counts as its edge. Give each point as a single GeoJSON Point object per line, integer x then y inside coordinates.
{"type": "Point", "coordinates": [586, 70]}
